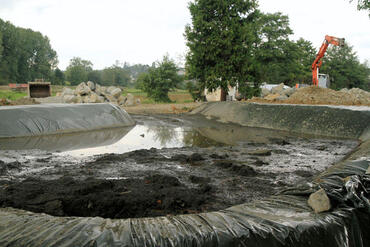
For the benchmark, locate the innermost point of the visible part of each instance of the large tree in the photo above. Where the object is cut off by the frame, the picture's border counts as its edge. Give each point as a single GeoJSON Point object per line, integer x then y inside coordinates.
{"type": "Point", "coordinates": [115, 75]}
{"type": "Point", "coordinates": [220, 41]}
{"type": "Point", "coordinates": [345, 69]}
{"type": "Point", "coordinates": [78, 70]}
{"type": "Point", "coordinates": [25, 55]}
{"type": "Point", "coordinates": [160, 79]}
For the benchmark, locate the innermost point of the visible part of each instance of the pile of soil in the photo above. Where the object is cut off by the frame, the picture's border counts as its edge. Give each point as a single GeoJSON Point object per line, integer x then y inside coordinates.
{"type": "Point", "coordinates": [153, 195]}
{"type": "Point", "coordinates": [323, 96]}
{"type": "Point", "coordinates": [21, 101]}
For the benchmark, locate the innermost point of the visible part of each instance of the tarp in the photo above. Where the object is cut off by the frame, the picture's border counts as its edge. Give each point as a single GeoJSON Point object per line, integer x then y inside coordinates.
{"type": "Point", "coordinates": [282, 220]}
{"type": "Point", "coordinates": [32, 120]}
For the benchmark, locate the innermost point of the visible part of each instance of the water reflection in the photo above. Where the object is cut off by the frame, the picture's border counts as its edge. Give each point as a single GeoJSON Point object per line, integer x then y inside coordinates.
{"type": "Point", "coordinates": [148, 134]}
{"type": "Point", "coordinates": [65, 142]}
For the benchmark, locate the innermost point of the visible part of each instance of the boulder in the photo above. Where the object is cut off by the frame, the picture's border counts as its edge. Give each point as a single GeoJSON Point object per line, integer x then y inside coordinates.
{"type": "Point", "coordinates": [272, 97]}
{"type": "Point", "coordinates": [121, 100]}
{"type": "Point", "coordinates": [93, 98]}
{"type": "Point", "coordinates": [91, 85]}
{"type": "Point", "coordinates": [114, 91]}
{"type": "Point", "coordinates": [282, 97]}
{"type": "Point", "coordinates": [130, 100]}
{"type": "Point", "coordinates": [278, 89]}
{"type": "Point", "coordinates": [67, 91]}
{"type": "Point", "coordinates": [289, 91]}
{"type": "Point", "coordinates": [265, 92]}
{"type": "Point", "coordinates": [70, 99]}
{"type": "Point", "coordinates": [109, 98]}
{"type": "Point", "coordinates": [319, 201]}
{"type": "Point", "coordinates": [82, 89]}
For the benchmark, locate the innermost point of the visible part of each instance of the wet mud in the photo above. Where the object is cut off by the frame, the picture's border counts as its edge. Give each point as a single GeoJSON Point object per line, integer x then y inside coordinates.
{"type": "Point", "coordinates": [217, 166]}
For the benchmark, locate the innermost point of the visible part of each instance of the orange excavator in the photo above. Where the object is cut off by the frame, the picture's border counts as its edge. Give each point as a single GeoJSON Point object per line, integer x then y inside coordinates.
{"type": "Point", "coordinates": [318, 61]}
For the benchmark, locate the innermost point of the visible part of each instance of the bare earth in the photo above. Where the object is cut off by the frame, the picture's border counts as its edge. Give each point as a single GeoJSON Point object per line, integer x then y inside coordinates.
{"type": "Point", "coordinates": [161, 108]}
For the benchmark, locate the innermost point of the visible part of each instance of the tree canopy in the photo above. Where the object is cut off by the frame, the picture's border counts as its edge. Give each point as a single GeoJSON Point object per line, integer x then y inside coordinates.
{"type": "Point", "coordinates": [232, 42]}
{"type": "Point", "coordinates": [345, 69]}
{"type": "Point", "coordinates": [78, 70]}
{"type": "Point", "coordinates": [160, 79]}
{"type": "Point", "coordinates": [220, 42]}
{"type": "Point", "coordinates": [25, 55]}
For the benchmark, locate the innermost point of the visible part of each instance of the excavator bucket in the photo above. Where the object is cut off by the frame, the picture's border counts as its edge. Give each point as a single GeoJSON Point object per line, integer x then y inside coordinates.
{"type": "Point", "coordinates": [39, 89]}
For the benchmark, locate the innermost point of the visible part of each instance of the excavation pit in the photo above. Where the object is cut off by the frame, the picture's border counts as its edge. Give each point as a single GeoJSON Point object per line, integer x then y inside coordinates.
{"type": "Point", "coordinates": [165, 165]}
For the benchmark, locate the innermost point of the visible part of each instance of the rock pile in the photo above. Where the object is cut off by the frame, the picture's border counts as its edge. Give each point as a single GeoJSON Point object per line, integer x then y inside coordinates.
{"type": "Point", "coordinates": [277, 93]}
{"type": "Point", "coordinates": [91, 92]}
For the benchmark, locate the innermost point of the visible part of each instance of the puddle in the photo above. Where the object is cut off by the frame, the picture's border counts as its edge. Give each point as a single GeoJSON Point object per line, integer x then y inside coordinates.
{"type": "Point", "coordinates": [121, 140]}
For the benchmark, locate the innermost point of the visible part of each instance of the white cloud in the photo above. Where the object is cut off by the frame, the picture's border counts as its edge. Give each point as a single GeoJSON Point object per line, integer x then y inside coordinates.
{"type": "Point", "coordinates": [142, 31]}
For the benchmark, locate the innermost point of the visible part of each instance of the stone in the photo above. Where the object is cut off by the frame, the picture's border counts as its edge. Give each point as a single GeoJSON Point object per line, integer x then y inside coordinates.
{"type": "Point", "coordinates": [109, 98]}
{"type": "Point", "coordinates": [58, 94]}
{"type": "Point", "coordinates": [92, 98]}
{"type": "Point", "coordinates": [67, 91]}
{"type": "Point", "coordinates": [70, 99]}
{"type": "Point", "coordinates": [91, 85]}
{"type": "Point", "coordinates": [368, 170]}
{"type": "Point", "coordinates": [282, 97]}
{"type": "Point", "coordinates": [289, 91]}
{"type": "Point", "coordinates": [272, 97]}
{"type": "Point", "coordinates": [79, 99]}
{"type": "Point", "coordinates": [138, 101]}
{"type": "Point", "coordinates": [265, 92]}
{"type": "Point", "coordinates": [278, 89]}
{"type": "Point", "coordinates": [82, 89]}
{"type": "Point", "coordinates": [319, 201]}
{"type": "Point", "coordinates": [121, 99]}
{"type": "Point", "coordinates": [130, 100]}
{"type": "Point", "coordinates": [114, 91]}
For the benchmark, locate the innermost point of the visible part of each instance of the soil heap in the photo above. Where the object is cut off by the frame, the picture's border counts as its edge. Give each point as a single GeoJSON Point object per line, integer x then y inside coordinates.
{"type": "Point", "coordinates": [321, 96]}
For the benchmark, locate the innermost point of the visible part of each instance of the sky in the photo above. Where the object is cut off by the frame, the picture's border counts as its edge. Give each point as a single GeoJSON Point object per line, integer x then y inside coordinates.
{"type": "Point", "coordinates": [143, 31]}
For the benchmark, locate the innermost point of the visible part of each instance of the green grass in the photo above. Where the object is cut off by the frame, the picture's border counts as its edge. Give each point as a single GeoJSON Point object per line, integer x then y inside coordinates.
{"type": "Point", "coordinates": [11, 95]}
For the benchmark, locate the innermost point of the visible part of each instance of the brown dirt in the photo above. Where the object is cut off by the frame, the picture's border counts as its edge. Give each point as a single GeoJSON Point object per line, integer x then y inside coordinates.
{"type": "Point", "coordinates": [322, 96]}
{"type": "Point", "coordinates": [161, 108]}
{"type": "Point", "coordinates": [21, 101]}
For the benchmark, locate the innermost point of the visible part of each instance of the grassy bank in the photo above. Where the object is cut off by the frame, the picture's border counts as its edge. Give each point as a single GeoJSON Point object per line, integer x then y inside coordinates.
{"type": "Point", "coordinates": [176, 96]}
{"type": "Point", "coordinates": [11, 95]}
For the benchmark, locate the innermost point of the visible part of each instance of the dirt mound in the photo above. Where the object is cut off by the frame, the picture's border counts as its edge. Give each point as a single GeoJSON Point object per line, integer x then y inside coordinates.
{"type": "Point", "coordinates": [323, 96]}
{"type": "Point", "coordinates": [154, 195]}
{"type": "Point", "coordinates": [21, 101]}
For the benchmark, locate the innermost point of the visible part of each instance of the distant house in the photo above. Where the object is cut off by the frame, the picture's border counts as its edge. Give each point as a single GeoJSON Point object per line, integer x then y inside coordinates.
{"type": "Point", "coordinates": [220, 94]}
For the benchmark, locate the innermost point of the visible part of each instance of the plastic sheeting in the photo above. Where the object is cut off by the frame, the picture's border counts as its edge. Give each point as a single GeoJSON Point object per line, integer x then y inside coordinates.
{"type": "Point", "coordinates": [31, 120]}
{"type": "Point", "coordinates": [282, 220]}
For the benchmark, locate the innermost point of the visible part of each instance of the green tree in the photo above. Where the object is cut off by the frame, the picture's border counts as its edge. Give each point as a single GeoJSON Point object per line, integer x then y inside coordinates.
{"type": "Point", "coordinates": [95, 76]}
{"type": "Point", "coordinates": [25, 55]}
{"type": "Point", "coordinates": [58, 77]}
{"type": "Point", "coordinates": [363, 5]}
{"type": "Point", "coordinates": [220, 42]}
{"type": "Point", "coordinates": [345, 69]}
{"type": "Point", "coordinates": [160, 79]}
{"type": "Point", "coordinates": [115, 75]}
{"type": "Point", "coordinates": [78, 70]}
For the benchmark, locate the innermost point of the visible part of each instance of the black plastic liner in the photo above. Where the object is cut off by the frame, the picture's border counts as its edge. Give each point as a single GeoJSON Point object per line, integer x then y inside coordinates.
{"type": "Point", "coordinates": [282, 220]}
{"type": "Point", "coordinates": [32, 120]}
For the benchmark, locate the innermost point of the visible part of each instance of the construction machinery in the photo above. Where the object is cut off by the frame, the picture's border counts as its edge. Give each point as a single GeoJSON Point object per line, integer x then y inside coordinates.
{"type": "Point", "coordinates": [322, 80]}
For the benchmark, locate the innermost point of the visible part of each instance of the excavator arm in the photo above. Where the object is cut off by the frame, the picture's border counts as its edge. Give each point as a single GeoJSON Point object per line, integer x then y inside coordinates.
{"type": "Point", "coordinates": [318, 61]}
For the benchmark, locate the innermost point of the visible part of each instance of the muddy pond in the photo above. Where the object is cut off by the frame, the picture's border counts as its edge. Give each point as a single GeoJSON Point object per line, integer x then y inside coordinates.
{"type": "Point", "coordinates": [165, 165]}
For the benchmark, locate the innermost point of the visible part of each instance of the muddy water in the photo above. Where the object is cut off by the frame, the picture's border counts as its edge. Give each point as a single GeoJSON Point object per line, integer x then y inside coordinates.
{"type": "Point", "coordinates": [165, 164]}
